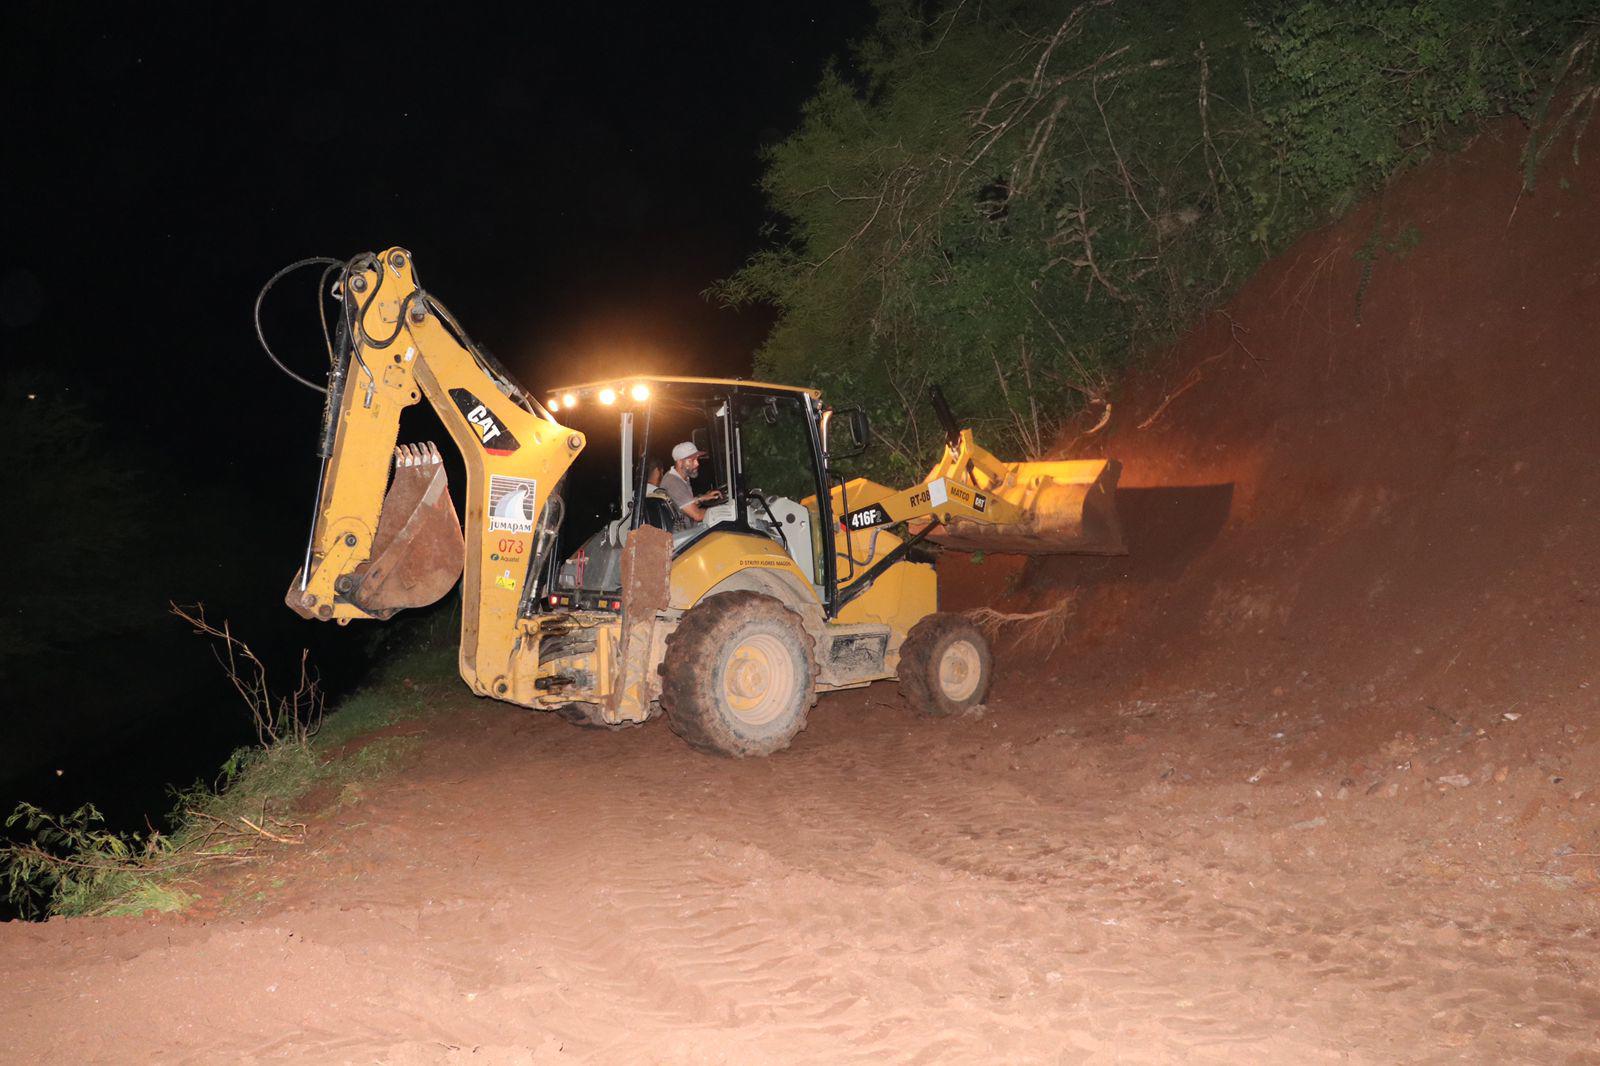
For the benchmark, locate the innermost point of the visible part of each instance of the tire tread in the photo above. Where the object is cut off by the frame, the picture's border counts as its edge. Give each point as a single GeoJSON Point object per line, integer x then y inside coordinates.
{"type": "Point", "coordinates": [918, 684]}
{"type": "Point", "coordinates": [688, 673]}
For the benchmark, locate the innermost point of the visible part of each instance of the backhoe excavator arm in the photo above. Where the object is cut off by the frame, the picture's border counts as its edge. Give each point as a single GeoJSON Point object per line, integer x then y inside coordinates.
{"type": "Point", "coordinates": [372, 554]}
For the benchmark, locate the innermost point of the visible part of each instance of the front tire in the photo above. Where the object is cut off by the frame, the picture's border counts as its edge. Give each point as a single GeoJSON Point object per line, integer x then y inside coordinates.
{"type": "Point", "coordinates": [945, 665]}
{"type": "Point", "coordinates": [739, 675]}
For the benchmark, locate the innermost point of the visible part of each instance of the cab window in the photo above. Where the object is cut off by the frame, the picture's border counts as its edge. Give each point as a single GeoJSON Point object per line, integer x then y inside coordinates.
{"type": "Point", "coordinates": [776, 459]}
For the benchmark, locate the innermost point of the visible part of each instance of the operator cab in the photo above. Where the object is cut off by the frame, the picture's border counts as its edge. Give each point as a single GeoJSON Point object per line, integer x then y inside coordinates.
{"type": "Point", "coordinates": [763, 452]}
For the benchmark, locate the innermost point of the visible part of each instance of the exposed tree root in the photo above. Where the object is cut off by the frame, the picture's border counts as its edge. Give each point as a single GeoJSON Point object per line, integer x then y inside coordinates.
{"type": "Point", "coordinates": [1043, 630]}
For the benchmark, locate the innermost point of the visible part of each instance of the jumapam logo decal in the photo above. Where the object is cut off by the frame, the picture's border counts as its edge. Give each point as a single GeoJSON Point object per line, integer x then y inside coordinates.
{"type": "Point", "coordinates": [511, 503]}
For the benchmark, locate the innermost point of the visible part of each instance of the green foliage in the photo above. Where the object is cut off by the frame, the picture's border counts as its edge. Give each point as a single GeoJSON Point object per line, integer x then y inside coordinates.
{"type": "Point", "coordinates": [146, 895]}
{"type": "Point", "coordinates": [422, 645]}
{"type": "Point", "coordinates": [1399, 245]}
{"type": "Point", "coordinates": [1375, 247]}
{"type": "Point", "coordinates": [73, 865]}
{"type": "Point", "coordinates": [1570, 99]}
{"type": "Point", "coordinates": [1361, 88]}
{"type": "Point", "coordinates": [1012, 199]}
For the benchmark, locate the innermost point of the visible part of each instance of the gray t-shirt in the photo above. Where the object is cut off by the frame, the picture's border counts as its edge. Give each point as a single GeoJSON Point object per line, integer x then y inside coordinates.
{"type": "Point", "coordinates": [678, 490]}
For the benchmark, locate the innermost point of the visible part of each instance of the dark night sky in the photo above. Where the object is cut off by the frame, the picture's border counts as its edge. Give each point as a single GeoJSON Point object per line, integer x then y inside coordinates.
{"type": "Point", "coordinates": [568, 182]}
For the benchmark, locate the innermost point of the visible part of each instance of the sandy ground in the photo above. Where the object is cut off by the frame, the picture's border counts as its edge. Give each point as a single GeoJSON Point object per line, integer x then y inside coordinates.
{"type": "Point", "coordinates": [1316, 777]}
{"type": "Point", "coordinates": [1029, 886]}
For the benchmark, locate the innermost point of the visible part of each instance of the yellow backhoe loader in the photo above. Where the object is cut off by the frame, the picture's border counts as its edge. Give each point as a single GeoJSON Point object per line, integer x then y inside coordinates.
{"type": "Point", "coordinates": [792, 582]}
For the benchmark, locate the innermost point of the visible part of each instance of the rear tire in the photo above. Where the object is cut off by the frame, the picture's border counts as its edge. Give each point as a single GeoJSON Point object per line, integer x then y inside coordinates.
{"type": "Point", "coordinates": [739, 675]}
{"type": "Point", "coordinates": [945, 665]}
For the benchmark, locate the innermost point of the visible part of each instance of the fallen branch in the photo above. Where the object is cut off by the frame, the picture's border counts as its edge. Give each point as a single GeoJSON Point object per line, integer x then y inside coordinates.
{"type": "Point", "coordinates": [1188, 383]}
{"type": "Point", "coordinates": [130, 865]}
{"type": "Point", "coordinates": [1105, 419]}
{"type": "Point", "coordinates": [1234, 331]}
{"type": "Point", "coordinates": [274, 836]}
{"type": "Point", "coordinates": [232, 826]}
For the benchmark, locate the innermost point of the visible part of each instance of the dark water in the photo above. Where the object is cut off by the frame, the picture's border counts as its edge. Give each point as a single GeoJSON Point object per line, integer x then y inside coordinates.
{"type": "Point", "coordinates": [122, 723]}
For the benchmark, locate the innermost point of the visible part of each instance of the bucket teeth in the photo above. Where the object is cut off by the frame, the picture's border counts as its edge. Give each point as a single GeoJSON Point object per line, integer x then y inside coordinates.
{"type": "Point", "coordinates": [424, 454]}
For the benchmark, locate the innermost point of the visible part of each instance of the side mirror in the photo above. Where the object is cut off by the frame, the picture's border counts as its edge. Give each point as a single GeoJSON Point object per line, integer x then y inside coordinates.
{"type": "Point", "coordinates": [860, 432]}
{"type": "Point", "coordinates": [860, 429]}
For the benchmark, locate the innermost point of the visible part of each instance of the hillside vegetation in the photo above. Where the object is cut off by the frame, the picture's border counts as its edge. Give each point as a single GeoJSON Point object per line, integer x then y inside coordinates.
{"type": "Point", "coordinates": [1013, 200]}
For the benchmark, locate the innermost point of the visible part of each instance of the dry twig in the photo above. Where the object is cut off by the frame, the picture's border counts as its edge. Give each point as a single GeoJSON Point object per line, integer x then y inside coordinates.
{"type": "Point", "coordinates": [293, 718]}
{"type": "Point", "coordinates": [1188, 383]}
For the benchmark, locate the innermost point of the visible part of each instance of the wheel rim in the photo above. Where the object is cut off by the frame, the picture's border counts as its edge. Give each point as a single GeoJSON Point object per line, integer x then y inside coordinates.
{"type": "Point", "coordinates": [759, 680]}
{"type": "Point", "coordinates": [960, 671]}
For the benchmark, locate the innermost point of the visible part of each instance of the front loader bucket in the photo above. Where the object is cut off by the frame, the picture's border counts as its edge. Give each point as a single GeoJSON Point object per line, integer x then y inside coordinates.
{"type": "Point", "coordinates": [417, 551]}
{"type": "Point", "coordinates": [1046, 508]}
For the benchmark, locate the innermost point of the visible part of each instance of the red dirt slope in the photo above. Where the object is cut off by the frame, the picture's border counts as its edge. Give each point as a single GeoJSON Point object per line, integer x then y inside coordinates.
{"type": "Point", "coordinates": [1378, 500]}
{"type": "Point", "coordinates": [1414, 475]}
{"type": "Point", "coordinates": [1314, 780]}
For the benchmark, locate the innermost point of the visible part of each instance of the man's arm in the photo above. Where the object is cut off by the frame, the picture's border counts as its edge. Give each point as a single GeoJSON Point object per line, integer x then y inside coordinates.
{"type": "Point", "coordinates": [697, 507]}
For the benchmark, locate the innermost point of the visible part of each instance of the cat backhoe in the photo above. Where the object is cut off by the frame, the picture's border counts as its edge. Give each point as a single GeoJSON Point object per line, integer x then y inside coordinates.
{"type": "Point", "coordinates": [793, 582]}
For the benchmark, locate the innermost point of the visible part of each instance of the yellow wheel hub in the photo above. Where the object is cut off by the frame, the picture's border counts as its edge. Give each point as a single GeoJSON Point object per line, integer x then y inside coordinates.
{"type": "Point", "coordinates": [759, 679]}
{"type": "Point", "coordinates": [960, 671]}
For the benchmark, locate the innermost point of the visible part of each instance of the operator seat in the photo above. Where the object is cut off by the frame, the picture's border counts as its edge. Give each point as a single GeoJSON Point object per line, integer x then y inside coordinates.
{"type": "Point", "coordinates": [658, 511]}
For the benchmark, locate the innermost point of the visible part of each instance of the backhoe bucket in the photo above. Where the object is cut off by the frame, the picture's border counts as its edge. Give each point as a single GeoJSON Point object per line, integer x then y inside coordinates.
{"type": "Point", "coordinates": [417, 551]}
{"type": "Point", "coordinates": [1039, 508]}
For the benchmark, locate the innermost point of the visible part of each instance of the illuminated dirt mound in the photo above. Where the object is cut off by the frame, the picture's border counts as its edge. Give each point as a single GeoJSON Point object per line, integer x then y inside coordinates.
{"type": "Point", "coordinates": [1372, 483]}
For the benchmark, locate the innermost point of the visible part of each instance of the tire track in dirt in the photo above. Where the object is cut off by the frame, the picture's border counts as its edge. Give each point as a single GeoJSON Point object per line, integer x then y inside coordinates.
{"type": "Point", "coordinates": [1272, 935]}
{"type": "Point", "coordinates": [959, 837]}
{"type": "Point", "coordinates": [891, 890]}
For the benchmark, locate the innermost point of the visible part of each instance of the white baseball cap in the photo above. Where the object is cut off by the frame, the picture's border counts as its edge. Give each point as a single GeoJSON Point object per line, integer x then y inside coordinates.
{"type": "Point", "coordinates": [683, 451]}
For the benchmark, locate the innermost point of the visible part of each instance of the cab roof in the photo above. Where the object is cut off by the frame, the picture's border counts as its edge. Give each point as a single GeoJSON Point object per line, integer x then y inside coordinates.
{"type": "Point", "coordinates": [622, 387]}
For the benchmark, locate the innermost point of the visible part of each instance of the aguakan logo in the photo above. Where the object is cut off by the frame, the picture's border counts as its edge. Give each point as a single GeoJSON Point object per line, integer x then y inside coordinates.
{"type": "Point", "coordinates": [495, 438]}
